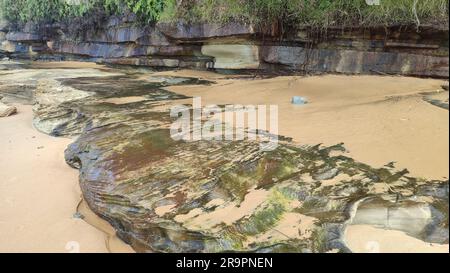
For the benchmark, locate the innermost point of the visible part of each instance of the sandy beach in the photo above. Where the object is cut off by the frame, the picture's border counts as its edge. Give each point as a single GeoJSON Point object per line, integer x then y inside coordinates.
{"type": "Point", "coordinates": [379, 119]}
{"type": "Point", "coordinates": [39, 194]}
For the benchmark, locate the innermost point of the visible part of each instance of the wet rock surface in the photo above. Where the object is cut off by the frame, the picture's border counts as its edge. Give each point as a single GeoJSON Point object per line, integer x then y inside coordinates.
{"type": "Point", "coordinates": [206, 196]}
{"type": "Point", "coordinates": [67, 106]}
{"type": "Point", "coordinates": [214, 196]}
{"type": "Point", "coordinates": [439, 99]}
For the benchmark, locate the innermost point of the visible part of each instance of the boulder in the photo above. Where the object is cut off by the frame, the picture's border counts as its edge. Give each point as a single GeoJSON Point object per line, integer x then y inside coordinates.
{"type": "Point", "coordinates": [6, 110]}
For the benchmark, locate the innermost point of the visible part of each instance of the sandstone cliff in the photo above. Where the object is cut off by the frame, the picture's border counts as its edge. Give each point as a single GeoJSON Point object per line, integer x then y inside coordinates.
{"type": "Point", "coordinates": [395, 50]}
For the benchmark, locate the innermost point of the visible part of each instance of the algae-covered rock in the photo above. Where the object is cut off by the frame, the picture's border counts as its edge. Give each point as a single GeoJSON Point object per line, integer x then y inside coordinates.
{"type": "Point", "coordinates": [206, 196]}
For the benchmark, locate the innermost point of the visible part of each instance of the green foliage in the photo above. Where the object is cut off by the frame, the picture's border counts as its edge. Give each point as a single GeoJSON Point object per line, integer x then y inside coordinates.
{"type": "Point", "coordinates": [318, 13]}
{"type": "Point", "coordinates": [70, 9]}
{"type": "Point", "coordinates": [43, 10]}
{"type": "Point", "coordinates": [54, 10]}
{"type": "Point", "coordinates": [147, 10]}
{"type": "Point", "coordinates": [25, 10]}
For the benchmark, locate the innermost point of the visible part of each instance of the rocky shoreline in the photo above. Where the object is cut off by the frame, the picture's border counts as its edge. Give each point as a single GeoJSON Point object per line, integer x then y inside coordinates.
{"type": "Point", "coordinates": [214, 196]}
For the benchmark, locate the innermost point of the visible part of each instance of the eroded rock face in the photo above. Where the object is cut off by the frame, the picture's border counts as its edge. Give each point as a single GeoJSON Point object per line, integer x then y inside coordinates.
{"type": "Point", "coordinates": [229, 56]}
{"type": "Point", "coordinates": [422, 217]}
{"type": "Point", "coordinates": [393, 50]}
{"type": "Point", "coordinates": [23, 37]}
{"type": "Point", "coordinates": [182, 31]}
{"type": "Point", "coordinates": [212, 196]}
{"type": "Point", "coordinates": [356, 61]}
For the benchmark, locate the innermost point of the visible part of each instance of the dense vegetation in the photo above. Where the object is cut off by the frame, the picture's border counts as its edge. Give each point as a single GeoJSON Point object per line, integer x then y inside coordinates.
{"type": "Point", "coordinates": [57, 10]}
{"type": "Point", "coordinates": [320, 13]}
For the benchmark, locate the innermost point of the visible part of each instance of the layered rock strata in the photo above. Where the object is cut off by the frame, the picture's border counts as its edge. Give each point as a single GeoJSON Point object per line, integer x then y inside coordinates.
{"type": "Point", "coordinates": [394, 50]}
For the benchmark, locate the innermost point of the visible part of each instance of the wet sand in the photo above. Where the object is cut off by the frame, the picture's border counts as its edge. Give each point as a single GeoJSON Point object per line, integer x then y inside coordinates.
{"type": "Point", "coordinates": [379, 119]}
{"type": "Point", "coordinates": [39, 194]}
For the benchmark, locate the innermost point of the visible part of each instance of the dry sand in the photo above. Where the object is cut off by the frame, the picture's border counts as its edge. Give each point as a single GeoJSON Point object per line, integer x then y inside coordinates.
{"type": "Point", "coordinates": [39, 194]}
{"type": "Point", "coordinates": [368, 239]}
{"type": "Point", "coordinates": [379, 118]}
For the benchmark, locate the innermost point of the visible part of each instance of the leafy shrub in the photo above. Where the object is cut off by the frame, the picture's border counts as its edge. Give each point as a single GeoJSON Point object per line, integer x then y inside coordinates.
{"type": "Point", "coordinates": [147, 10]}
